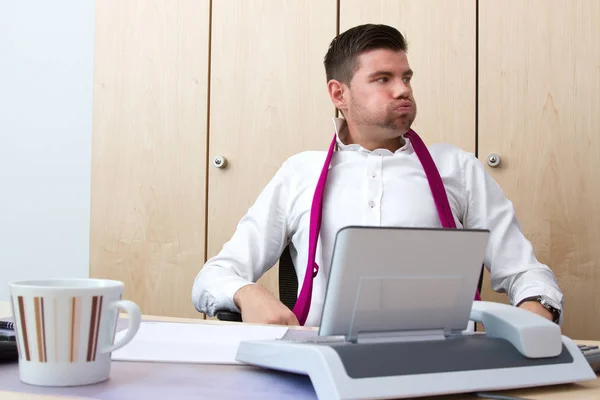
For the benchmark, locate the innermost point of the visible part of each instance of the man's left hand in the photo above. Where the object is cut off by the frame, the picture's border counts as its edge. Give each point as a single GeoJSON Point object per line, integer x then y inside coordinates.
{"type": "Point", "coordinates": [536, 308]}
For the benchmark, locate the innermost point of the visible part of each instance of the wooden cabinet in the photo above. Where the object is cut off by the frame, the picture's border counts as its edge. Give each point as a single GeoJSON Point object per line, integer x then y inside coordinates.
{"type": "Point", "coordinates": [179, 83]}
{"type": "Point", "coordinates": [149, 149]}
{"type": "Point", "coordinates": [539, 103]}
{"type": "Point", "coordinates": [160, 118]}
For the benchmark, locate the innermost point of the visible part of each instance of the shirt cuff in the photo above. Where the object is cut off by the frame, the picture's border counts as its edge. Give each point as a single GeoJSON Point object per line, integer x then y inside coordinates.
{"type": "Point", "coordinates": [226, 292]}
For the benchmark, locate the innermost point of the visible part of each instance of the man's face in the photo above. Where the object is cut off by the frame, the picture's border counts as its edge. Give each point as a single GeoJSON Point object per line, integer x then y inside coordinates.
{"type": "Point", "coordinates": [380, 94]}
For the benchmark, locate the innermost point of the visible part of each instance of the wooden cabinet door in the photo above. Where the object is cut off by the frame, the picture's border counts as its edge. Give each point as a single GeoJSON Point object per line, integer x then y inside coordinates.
{"type": "Point", "coordinates": [441, 51]}
{"type": "Point", "coordinates": [539, 85]}
{"type": "Point", "coordinates": [149, 149]}
{"type": "Point", "coordinates": [268, 101]}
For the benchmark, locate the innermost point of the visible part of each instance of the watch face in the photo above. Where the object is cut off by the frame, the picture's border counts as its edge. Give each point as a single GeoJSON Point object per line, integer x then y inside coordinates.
{"type": "Point", "coordinates": [547, 304]}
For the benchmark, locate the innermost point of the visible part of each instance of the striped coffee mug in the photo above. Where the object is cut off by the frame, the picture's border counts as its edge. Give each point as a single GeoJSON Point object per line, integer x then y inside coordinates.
{"type": "Point", "coordinates": [65, 329]}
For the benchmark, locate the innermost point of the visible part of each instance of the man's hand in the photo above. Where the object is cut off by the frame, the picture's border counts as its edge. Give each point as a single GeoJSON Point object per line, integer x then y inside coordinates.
{"type": "Point", "coordinates": [259, 306]}
{"type": "Point", "coordinates": [536, 308]}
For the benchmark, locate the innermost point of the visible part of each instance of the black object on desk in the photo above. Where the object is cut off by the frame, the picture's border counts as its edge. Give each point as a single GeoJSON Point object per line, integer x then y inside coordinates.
{"type": "Point", "coordinates": [8, 349]}
{"type": "Point", "coordinates": [8, 342]}
{"type": "Point", "coordinates": [7, 325]}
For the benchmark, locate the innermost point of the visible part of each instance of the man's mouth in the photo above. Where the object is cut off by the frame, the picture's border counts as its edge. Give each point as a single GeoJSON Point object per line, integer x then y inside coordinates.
{"type": "Point", "coordinates": [403, 107]}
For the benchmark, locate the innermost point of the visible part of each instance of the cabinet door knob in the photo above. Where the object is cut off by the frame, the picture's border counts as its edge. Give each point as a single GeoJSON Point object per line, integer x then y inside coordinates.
{"type": "Point", "coordinates": [493, 160]}
{"type": "Point", "coordinates": [219, 162]}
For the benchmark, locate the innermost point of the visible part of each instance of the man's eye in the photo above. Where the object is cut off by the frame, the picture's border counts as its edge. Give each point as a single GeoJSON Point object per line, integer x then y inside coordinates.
{"type": "Point", "coordinates": [407, 80]}
{"type": "Point", "coordinates": [383, 80]}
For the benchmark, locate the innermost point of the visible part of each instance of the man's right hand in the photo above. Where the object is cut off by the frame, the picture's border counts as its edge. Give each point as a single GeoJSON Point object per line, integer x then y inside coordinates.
{"type": "Point", "coordinates": [259, 306]}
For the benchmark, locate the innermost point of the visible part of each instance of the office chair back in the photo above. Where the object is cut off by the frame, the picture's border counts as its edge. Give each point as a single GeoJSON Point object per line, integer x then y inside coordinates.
{"type": "Point", "coordinates": [288, 281]}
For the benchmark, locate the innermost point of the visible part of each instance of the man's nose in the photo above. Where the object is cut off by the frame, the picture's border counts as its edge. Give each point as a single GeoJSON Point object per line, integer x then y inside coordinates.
{"type": "Point", "coordinates": [401, 89]}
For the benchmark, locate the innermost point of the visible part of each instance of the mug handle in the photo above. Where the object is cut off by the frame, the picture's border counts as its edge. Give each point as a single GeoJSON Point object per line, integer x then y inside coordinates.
{"type": "Point", "coordinates": [135, 318]}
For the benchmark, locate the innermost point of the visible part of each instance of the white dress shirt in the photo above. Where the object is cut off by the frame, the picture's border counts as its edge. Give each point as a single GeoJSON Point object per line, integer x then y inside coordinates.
{"type": "Point", "coordinates": [369, 188]}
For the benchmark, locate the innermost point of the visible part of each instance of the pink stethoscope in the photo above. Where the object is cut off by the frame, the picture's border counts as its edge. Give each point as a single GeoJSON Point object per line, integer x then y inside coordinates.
{"type": "Point", "coordinates": [440, 198]}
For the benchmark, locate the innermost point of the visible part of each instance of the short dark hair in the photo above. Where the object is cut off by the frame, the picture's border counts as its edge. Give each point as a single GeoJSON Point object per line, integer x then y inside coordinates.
{"type": "Point", "coordinates": [340, 60]}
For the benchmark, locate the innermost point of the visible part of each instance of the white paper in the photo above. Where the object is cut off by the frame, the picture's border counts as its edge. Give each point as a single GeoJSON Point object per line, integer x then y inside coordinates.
{"type": "Point", "coordinates": [192, 343]}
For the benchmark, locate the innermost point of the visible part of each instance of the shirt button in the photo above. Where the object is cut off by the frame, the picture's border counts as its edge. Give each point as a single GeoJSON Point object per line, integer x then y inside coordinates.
{"type": "Point", "coordinates": [374, 175]}
{"type": "Point", "coordinates": [371, 204]}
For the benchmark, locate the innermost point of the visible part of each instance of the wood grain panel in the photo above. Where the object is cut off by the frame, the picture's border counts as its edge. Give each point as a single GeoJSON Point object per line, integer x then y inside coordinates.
{"type": "Point", "coordinates": [149, 149]}
{"type": "Point", "coordinates": [539, 81]}
{"type": "Point", "coordinates": [268, 101]}
{"type": "Point", "coordinates": [441, 51]}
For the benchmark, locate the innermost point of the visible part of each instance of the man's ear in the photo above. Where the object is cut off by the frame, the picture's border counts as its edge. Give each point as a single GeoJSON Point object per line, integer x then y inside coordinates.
{"type": "Point", "coordinates": [337, 91]}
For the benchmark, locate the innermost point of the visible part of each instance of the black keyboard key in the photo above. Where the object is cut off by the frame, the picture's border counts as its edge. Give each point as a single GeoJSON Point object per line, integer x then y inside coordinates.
{"type": "Point", "coordinates": [592, 356]}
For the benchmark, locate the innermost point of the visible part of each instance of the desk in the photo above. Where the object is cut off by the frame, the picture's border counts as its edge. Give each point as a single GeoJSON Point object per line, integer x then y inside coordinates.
{"type": "Point", "coordinates": [199, 381]}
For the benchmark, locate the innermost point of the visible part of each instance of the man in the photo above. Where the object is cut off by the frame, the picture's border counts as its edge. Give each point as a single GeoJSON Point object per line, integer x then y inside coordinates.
{"type": "Point", "coordinates": [375, 179]}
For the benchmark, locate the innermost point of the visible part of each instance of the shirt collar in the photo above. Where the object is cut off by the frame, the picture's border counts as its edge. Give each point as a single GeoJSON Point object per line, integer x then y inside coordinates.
{"type": "Point", "coordinates": [341, 132]}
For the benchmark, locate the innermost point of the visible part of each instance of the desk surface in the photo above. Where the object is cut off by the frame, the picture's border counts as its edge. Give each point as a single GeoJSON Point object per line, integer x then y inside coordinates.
{"type": "Point", "coordinates": [200, 381]}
